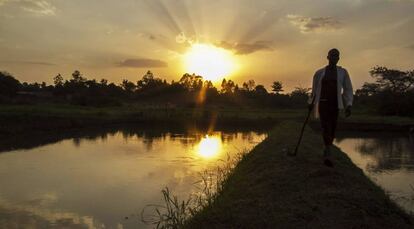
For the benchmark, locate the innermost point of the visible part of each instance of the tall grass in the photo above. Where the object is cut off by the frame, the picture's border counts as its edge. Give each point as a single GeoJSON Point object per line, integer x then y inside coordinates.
{"type": "Point", "coordinates": [174, 213]}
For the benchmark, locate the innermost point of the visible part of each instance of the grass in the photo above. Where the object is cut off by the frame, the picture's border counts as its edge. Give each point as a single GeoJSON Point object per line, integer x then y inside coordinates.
{"type": "Point", "coordinates": [15, 119]}
{"type": "Point", "coordinates": [268, 189]}
{"type": "Point", "coordinates": [176, 213]}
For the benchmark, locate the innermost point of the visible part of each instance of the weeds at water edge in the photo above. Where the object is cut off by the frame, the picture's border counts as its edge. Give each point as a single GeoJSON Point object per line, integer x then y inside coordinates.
{"type": "Point", "coordinates": [174, 213]}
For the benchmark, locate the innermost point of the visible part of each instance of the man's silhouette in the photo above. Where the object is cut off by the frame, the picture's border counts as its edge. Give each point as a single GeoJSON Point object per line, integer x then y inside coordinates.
{"type": "Point", "coordinates": [331, 91]}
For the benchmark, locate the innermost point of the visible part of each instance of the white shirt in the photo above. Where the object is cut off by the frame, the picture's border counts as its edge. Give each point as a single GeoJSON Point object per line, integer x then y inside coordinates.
{"type": "Point", "coordinates": [344, 88]}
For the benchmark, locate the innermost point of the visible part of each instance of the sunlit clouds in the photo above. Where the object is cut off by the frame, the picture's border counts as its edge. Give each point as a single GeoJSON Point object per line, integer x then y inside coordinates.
{"type": "Point", "coordinates": [35, 7]}
{"type": "Point", "coordinates": [314, 24]}
{"type": "Point", "coordinates": [271, 40]}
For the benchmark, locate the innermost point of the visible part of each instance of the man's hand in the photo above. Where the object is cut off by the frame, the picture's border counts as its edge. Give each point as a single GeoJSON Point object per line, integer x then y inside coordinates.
{"type": "Point", "coordinates": [348, 111]}
{"type": "Point", "coordinates": [310, 107]}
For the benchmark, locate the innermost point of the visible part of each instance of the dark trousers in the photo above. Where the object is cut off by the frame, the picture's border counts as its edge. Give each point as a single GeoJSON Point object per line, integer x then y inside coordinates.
{"type": "Point", "coordinates": [328, 112]}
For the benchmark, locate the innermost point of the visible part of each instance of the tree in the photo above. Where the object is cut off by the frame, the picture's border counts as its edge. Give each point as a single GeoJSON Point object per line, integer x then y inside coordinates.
{"type": "Point", "coordinates": [8, 84]}
{"type": "Point", "coordinates": [149, 81]}
{"type": "Point", "coordinates": [277, 87]}
{"type": "Point", "coordinates": [249, 85]}
{"type": "Point", "coordinates": [77, 77]}
{"type": "Point", "coordinates": [260, 89]}
{"type": "Point", "coordinates": [393, 90]}
{"type": "Point", "coordinates": [300, 92]}
{"type": "Point", "coordinates": [128, 86]}
{"type": "Point", "coordinates": [227, 86]}
{"type": "Point", "coordinates": [191, 82]}
{"type": "Point", "coordinates": [396, 81]}
{"type": "Point", "coordinates": [368, 89]}
{"type": "Point", "coordinates": [103, 82]}
{"type": "Point", "coordinates": [58, 80]}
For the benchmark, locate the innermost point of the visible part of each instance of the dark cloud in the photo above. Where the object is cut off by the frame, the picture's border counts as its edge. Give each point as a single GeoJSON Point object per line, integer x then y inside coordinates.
{"type": "Point", "coordinates": [142, 63]}
{"type": "Point", "coordinates": [27, 62]}
{"type": "Point", "coordinates": [314, 24]}
{"type": "Point", "coordinates": [246, 48]}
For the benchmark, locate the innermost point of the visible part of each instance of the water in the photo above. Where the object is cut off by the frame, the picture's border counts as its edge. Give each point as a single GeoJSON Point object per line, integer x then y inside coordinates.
{"type": "Point", "coordinates": [388, 159]}
{"type": "Point", "coordinates": [98, 179]}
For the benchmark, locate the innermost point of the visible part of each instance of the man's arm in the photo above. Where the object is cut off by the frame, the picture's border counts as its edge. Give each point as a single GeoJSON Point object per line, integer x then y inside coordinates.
{"type": "Point", "coordinates": [313, 93]}
{"type": "Point", "coordinates": [348, 94]}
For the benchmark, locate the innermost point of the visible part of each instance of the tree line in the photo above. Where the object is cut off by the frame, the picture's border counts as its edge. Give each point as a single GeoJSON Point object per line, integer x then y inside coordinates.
{"type": "Point", "coordinates": [151, 89]}
{"type": "Point", "coordinates": [392, 93]}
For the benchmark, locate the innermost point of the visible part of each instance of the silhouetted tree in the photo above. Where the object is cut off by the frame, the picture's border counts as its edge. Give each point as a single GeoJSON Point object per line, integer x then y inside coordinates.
{"type": "Point", "coordinates": [393, 91]}
{"type": "Point", "coordinates": [227, 86]}
{"type": "Point", "coordinates": [395, 81]}
{"type": "Point", "coordinates": [299, 96]}
{"type": "Point", "coordinates": [191, 82]}
{"type": "Point", "coordinates": [301, 91]}
{"type": "Point", "coordinates": [103, 82]}
{"type": "Point", "coordinates": [249, 85]}
{"type": "Point", "coordinates": [368, 89]}
{"type": "Point", "coordinates": [77, 77]}
{"type": "Point", "coordinates": [260, 89]}
{"type": "Point", "coordinates": [8, 84]}
{"type": "Point", "coordinates": [58, 80]}
{"type": "Point", "coordinates": [128, 86]}
{"type": "Point", "coordinates": [149, 81]}
{"type": "Point", "coordinates": [277, 87]}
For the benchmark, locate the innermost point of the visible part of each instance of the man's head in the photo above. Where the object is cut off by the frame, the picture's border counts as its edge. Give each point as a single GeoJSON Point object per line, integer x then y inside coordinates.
{"type": "Point", "coordinates": [333, 57]}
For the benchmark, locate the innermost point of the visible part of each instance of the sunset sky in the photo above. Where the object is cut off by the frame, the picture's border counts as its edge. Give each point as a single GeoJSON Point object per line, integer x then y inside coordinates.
{"type": "Point", "coordinates": [269, 40]}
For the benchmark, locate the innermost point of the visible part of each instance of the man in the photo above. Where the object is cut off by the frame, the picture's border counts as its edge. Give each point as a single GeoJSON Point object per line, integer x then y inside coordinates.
{"type": "Point", "coordinates": [331, 91]}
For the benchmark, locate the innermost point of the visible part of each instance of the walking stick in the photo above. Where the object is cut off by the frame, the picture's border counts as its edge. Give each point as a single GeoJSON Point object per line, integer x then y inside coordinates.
{"type": "Point", "coordinates": [303, 129]}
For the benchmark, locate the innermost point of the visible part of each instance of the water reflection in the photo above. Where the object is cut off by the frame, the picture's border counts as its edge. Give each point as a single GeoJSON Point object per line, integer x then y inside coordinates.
{"type": "Point", "coordinates": [98, 178]}
{"type": "Point", "coordinates": [209, 147]}
{"type": "Point", "coordinates": [388, 159]}
{"type": "Point", "coordinates": [387, 152]}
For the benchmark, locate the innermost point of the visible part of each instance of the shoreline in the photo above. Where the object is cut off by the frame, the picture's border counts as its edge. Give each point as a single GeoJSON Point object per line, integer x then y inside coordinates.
{"type": "Point", "coordinates": [269, 189]}
{"type": "Point", "coordinates": [21, 119]}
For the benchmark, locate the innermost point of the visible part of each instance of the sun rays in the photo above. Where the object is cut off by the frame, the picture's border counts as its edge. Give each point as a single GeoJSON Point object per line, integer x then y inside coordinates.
{"type": "Point", "coordinates": [211, 62]}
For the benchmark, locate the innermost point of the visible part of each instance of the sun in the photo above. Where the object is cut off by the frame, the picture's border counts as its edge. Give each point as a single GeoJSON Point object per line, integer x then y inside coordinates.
{"type": "Point", "coordinates": [209, 61]}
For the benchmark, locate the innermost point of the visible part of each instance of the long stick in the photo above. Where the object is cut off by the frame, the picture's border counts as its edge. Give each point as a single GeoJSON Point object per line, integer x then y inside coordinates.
{"type": "Point", "coordinates": [301, 133]}
{"type": "Point", "coordinates": [303, 129]}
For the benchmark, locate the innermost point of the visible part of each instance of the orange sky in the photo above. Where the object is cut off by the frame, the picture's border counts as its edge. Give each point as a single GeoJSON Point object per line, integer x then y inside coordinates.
{"type": "Point", "coordinates": [284, 40]}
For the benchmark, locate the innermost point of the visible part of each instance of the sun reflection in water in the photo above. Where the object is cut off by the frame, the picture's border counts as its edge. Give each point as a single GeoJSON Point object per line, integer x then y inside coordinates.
{"type": "Point", "coordinates": [209, 147]}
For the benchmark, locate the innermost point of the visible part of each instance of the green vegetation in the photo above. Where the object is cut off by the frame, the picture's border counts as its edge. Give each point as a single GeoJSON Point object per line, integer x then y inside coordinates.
{"type": "Point", "coordinates": [392, 94]}
{"type": "Point", "coordinates": [268, 189]}
{"type": "Point", "coordinates": [176, 213]}
{"type": "Point", "coordinates": [17, 118]}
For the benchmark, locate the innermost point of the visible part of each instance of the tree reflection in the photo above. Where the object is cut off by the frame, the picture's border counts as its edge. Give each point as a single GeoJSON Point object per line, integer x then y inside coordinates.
{"type": "Point", "coordinates": [389, 152]}
{"type": "Point", "coordinates": [149, 134]}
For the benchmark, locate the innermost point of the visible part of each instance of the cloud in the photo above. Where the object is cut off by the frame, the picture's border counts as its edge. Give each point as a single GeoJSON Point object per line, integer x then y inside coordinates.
{"type": "Point", "coordinates": [27, 62]}
{"type": "Point", "coordinates": [246, 48]}
{"type": "Point", "coordinates": [143, 63]}
{"type": "Point", "coordinates": [314, 24]}
{"type": "Point", "coordinates": [37, 7]}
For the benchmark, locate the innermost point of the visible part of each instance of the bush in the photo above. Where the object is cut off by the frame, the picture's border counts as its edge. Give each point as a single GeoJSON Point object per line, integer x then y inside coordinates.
{"type": "Point", "coordinates": [8, 84]}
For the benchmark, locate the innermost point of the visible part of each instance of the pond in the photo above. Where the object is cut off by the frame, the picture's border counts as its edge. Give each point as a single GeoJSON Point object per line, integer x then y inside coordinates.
{"type": "Point", "coordinates": [386, 158]}
{"type": "Point", "coordinates": [104, 178]}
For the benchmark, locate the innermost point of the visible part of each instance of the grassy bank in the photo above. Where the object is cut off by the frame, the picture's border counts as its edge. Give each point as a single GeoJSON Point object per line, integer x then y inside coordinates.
{"type": "Point", "coordinates": [18, 118]}
{"type": "Point", "coordinates": [15, 119]}
{"type": "Point", "coordinates": [268, 189]}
